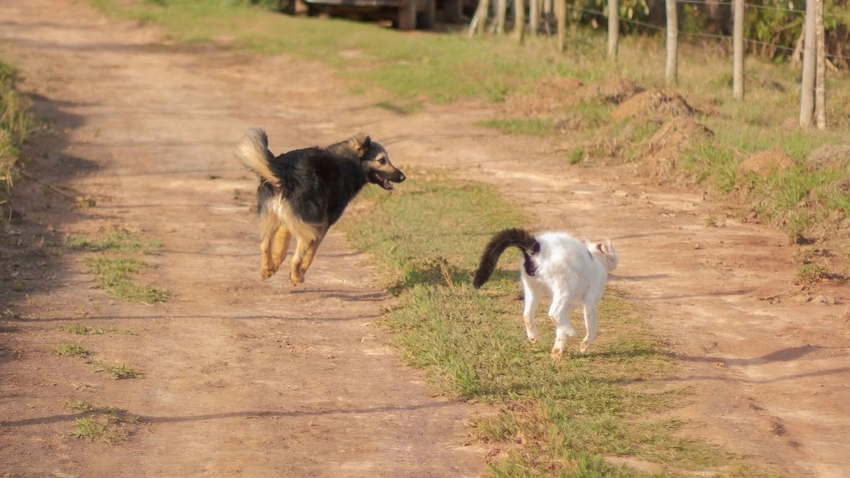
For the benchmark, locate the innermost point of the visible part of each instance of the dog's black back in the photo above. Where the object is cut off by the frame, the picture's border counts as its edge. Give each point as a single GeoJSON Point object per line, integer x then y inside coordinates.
{"type": "Point", "coordinates": [315, 181]}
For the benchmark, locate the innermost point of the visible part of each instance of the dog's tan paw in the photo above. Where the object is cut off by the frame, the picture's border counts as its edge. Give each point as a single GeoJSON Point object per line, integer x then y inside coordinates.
{"type": "Point", "coordinates": [584, 347]}
{"type": "Point", "coordinates": [296, 279]}
{"type": "Point", "coordinates": [556, 354]}
{"type": "Point", "coordinates": [266, 273]}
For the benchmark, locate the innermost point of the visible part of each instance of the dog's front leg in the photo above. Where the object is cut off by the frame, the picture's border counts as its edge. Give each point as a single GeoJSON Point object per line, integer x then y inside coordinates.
{"type": "Point", "coordinates": [310, 253]}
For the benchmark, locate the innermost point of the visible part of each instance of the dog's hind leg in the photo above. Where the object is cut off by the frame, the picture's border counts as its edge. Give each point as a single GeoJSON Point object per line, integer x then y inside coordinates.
{"type": "Point", "coordinates": [280, 245]}
{"type": "Point", "coordinates": [269, 224]}
{"type": "Point", "coordinates": [296, 274]}
{"type": "Point", "coordinates": [308, 237]}
{"type": "Point", "coordinates": [310, 253]}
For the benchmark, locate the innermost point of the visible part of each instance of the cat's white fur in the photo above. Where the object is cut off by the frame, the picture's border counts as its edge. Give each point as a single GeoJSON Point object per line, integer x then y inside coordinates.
{"type": "Point", "coordinates": [574, 273]}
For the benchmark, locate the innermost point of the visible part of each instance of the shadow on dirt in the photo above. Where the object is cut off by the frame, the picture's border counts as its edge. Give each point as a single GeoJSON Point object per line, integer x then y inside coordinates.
{"type": "Point", "coordinates": [31, 246]}
{"type": "Point", "coordinates": [243, 414]}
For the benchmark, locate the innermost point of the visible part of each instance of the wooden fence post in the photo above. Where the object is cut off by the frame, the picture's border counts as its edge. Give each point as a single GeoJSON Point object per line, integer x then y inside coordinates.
{"type": "Point", "coordinates": [738, 56]}
{"type": "Point", "coordinates": [820, 69]}
{"type": "Point", "coordinates": [561, 12]}
{"type": "Point", "coordinates": [479, 20]}
{"type": "Point", "coordinates": [534, 17]}
{"type": "Point", "coordinates": [519, 19]}
{"type": "Point", "coordinates": [613, 29]}
{"type": "Point", "coordinates": [671, 72]}
{"type": "Point", "coordinates": [807, 100]}
{"type": "Point", "coordinates": [501, 9]}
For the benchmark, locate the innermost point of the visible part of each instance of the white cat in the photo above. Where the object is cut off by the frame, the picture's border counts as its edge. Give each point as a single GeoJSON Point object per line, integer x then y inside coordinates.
{"type": "Point", "coordinates": [574, 273]}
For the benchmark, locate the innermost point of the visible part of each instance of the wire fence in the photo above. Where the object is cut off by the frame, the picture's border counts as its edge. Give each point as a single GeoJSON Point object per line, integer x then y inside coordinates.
{"type": "Point", "coordinates": [776, 47]}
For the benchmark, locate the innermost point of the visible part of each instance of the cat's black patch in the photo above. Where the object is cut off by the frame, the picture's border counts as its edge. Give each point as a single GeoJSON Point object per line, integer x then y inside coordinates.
{"type": "Point", "coordinates": [530, 267]}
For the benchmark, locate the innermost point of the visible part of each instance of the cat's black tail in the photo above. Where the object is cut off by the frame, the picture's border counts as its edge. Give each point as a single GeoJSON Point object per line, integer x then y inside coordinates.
{"type": "Point", "coordinates": [519, 238]}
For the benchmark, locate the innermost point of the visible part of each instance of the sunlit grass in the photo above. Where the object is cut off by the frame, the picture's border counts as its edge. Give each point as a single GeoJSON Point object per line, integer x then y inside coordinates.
{"type": "Point", "coordinates": [113, 274]}
{"type": "Point", "coordinates": [557, 419]}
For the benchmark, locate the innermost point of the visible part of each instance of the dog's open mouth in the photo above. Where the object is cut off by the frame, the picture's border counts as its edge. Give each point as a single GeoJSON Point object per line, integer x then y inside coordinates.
{"type": "Point", "coordinates": [383, 182]}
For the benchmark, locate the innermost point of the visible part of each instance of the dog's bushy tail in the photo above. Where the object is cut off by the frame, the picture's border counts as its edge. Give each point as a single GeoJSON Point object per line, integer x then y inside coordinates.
{"type": "Point", "coordinates": [253, 152]}
{"type": "Point", "coordinates": [519, 238]}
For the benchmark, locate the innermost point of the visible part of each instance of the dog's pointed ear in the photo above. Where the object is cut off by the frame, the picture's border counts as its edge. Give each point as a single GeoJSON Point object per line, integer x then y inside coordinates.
{"type": "Point", "coordinates": [360, 142]}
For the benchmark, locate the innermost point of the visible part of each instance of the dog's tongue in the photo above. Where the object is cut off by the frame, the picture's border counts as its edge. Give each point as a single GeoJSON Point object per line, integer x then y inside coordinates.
{"type": "Point", "coordinates": [386, 184]}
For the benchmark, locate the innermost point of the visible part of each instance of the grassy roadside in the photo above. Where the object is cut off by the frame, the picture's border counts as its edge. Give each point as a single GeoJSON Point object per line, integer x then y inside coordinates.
{"type": "Point", "coordinates": [561, 419]}
{"type": "Point", "coordinates": [16, 122]}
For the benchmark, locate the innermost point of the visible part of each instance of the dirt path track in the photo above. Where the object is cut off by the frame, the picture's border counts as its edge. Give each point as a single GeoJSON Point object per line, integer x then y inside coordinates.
{"type": "Point", "coordinates": [243, 377]}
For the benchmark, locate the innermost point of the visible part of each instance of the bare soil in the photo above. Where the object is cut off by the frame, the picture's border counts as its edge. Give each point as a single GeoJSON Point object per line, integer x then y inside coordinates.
{"type": "Point", "coordinates": [246, 377]}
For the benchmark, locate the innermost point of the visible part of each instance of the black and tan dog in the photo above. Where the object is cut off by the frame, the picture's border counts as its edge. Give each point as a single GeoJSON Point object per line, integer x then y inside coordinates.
{"type": "Point", "coordinates": [302, 193]}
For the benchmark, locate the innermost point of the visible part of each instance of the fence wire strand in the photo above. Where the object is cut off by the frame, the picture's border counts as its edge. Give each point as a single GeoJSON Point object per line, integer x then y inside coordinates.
{"type": "Point", "coordinates": [713, 36]}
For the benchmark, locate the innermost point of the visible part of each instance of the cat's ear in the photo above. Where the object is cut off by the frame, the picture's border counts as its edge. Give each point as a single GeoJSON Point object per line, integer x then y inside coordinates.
{"type": "Point", "coordinates": [600, 247]}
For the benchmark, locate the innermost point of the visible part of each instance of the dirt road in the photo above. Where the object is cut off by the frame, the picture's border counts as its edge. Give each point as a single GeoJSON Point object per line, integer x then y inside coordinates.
{"type": "Point", "coordinates": [242, 376]}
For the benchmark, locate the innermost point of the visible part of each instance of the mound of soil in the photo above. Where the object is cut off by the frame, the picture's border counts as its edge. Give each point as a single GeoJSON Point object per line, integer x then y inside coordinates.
{"type": "Point", "coordinates": [613, 91]}
{"type": "Point", "coordinates": [550, 95]}
{"type": "Point", "coordinates": [765, 162]}
{"type": "Point", "coordinates": [662, 151]}
{"type": "Point", "coordinates": [831, 156]}
{"type": "Point", "coordinates": [654, 104]}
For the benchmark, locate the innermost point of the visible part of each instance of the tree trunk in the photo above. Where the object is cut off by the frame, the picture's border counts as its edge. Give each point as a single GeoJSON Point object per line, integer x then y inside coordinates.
{"type": "Point", "coordinates": [613, 29]}
{"type": "Point", "coordinates": [820, 68]}
{"type": "Point", "coordinates": [807, 93]}
{"type": "Point", "coordinates": [738, 44]}
{"type": "Point", "coordinates": [672, 73]}
{"type": "Point", "coordinates": [519, 19]}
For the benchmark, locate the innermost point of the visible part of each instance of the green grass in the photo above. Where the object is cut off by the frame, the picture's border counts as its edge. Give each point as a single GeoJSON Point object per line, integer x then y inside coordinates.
{"type": "Point", "coordinates": [109, 425]}
{"type": "Point", "coordinates": [121, 241]}
{"type": "Point", "coordinates": [113, 274]}
{"type": "Point", "coordinates": [71, 350]}
{"type": "Point", "coordinates": [520, 127]}
{"type": "Point", "coordinates": [554, 419]}
{"type": "Point", "coordinates": [82, 329]}
{"type": "Point", "coordinates": [118, 371]}
{"type": "Point", "coordinates": [16, 123]}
